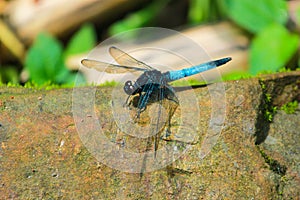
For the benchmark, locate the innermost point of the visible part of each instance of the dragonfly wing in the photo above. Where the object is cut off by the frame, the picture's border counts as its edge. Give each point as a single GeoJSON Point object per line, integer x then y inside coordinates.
{"type": "Point", "coordinates": [124, 59]}
{"type": "Point", "coordinates": [109, 68]}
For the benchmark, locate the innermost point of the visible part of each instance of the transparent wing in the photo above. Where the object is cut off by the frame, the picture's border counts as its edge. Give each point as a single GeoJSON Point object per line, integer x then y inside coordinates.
{"type": "Point", "coordinates": [109, 68]}
{"type": "Point", "coordinates": [124, 59]}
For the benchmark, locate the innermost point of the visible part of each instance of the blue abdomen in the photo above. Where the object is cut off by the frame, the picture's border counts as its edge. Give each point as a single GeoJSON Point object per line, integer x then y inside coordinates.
{"type": "Point", "coordinates": [175, 75]}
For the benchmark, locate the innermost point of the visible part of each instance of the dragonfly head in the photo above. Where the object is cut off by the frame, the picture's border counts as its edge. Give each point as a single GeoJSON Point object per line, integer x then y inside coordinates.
{"type": "Point", "coordinates": [129, 88]}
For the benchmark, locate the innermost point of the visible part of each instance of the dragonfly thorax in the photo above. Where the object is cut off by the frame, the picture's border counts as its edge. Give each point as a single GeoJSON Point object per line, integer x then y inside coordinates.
{"type": "Point", "coordinates": [148, 77]}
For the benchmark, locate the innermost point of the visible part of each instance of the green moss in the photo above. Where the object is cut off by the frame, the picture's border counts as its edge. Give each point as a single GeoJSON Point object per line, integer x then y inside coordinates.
{"type": "Point", "coordinates": [284, 69]}
{"type": "Point", "coordinates": [268, 109]}
{"type": "Point", "coordinates": [110, 83]}
{"type": "Point", "coordinates": [263, 85]}
{"type": "Point", "coordinates": [290, 108]}
{"type": "Point", "coordinates": [269, 114]}
{"type": "Point", "coordinates": [10, 84]}
{"type": "Point", "coordinates": [274, 165]}
{"type": "Point", "coordinates": [236, 76]}
{"type": "Point", "coordinates": [32, 85]}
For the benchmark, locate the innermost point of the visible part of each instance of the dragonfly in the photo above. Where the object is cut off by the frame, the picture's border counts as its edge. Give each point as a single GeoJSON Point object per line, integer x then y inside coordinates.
{"type": "Point", "coordinates": [151, 83]}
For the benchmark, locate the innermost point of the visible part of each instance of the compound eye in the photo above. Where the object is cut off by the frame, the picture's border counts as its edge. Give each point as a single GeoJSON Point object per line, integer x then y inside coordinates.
{"type": "Point", "coordinates": [128, 88]}
{"type": "Point", "coordinates": [128, 83]}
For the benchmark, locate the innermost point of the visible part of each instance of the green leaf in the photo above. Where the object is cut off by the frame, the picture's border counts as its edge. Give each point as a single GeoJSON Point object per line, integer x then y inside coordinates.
{"type": "Point", "coordinates": [83, 41]}
{"type": "Point", "coordinates": [256, 15]}
{"type": "Point", "coordinates": [44, 60]}
{"type": "Point", "coordinates": [272, 48]}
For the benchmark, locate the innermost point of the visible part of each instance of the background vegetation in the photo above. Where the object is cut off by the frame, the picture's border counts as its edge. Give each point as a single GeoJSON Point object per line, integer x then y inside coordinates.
{"type": "Point", "coordinates": [274, 38]}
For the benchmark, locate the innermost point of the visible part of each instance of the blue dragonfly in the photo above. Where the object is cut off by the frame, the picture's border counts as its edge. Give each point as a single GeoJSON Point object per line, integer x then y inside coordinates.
{"type": "Point", "coordinates": [152, 84]}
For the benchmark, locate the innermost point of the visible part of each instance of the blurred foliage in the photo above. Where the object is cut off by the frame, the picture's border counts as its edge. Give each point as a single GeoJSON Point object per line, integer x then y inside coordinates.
{"type": "Point", "coordinates": [9, 74]}
{"type": "Point", "coordinates": [272, 53]}
{"type": "Point", "coordinates": [298, 15]}
{"type": "Point", "coordinates": [200, 11]}
{"type": "Point", "coordinates": [298, 22]}
{"type": "Point", "coordinates": [273, 44]}
{"type": "Point", "coordinates": [272, 47]}
{"type": "Point", "coordinates": [257, 15]}
{"type": "Point", "coordinates": [205, 11]}
{"type": "Point", "coordinates": [139, 18]}
{"type": "Point", "coordinates": [82, 41]}
{"type": "Point", "coordinates": [45, 60]}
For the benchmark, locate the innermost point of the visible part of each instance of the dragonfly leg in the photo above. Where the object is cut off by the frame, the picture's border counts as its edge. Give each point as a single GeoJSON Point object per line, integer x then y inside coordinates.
{"type": "Point", "coordinates": [143, 98]}
{"type": "Point", "coordinates": [174, 102]}
{"type": "Point", "coordinates": [127, 102]}
{"type": "Point", "coordinates": [168, 129]}
{"type": "Point", "coordinates": [138, 113]}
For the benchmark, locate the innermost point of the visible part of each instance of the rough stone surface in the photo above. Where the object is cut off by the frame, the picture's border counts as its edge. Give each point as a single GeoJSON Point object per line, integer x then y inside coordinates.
{"type": "Point", "coordinates": [43, 157]}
